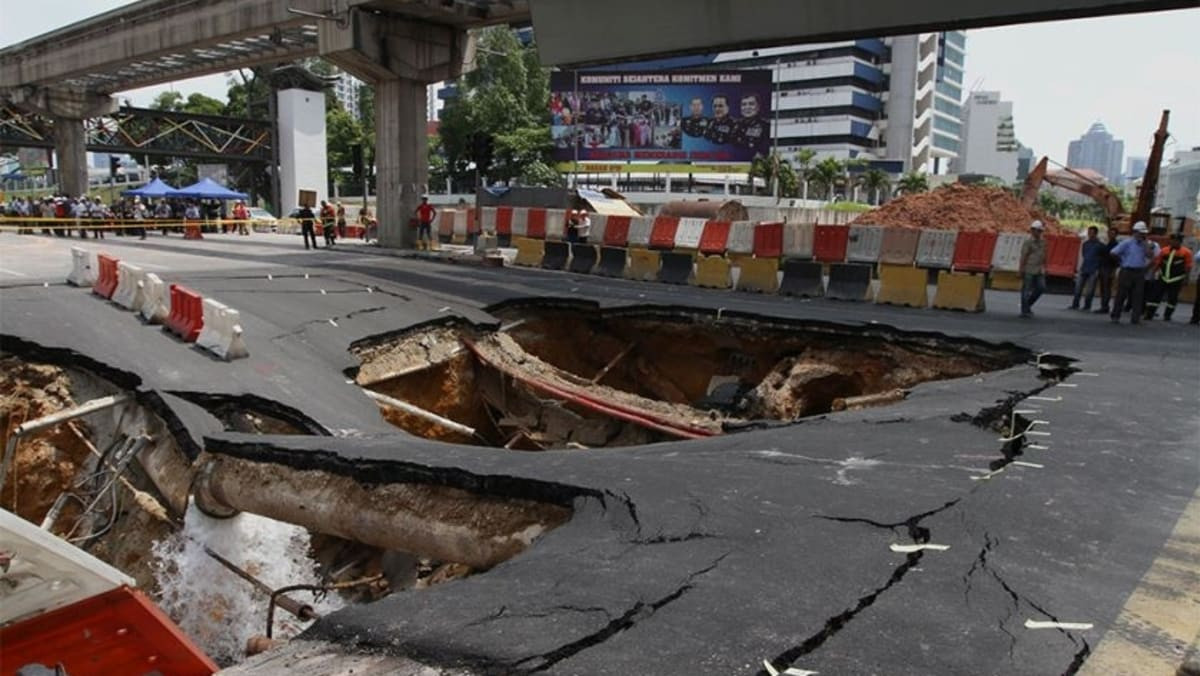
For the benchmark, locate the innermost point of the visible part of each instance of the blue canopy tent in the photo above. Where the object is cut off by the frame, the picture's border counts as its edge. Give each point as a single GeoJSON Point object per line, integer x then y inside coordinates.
{"type": "Point", "coordinates": [155, 188]}
{"type": "Point", "coordinates": [207, 189]}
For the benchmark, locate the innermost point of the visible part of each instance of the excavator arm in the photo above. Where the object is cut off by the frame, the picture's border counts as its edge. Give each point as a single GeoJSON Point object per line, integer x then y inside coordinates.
{"type": "Point", "coordinates": [1075, 182]}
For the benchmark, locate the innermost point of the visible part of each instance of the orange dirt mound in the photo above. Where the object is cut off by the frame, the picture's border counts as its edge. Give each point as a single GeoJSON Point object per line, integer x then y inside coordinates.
{"type": "Point", "coordinates": [961, 207]}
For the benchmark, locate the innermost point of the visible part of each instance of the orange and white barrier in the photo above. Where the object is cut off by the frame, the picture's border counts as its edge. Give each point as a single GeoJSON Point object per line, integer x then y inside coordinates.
{"type": "Point", "coordinates": [556, 224]}
{"type": "Point", "coordinates": [689, 232]}
{"type": "Point", "coordinates": [154, 309]}
{"type": "Point", "coordinates": [640, 228]}
{"type": "Point", "coordinates": [129, 291]}
{"type": "Point", "coordinates": [222, 331]}
{"type": "Point", "coordinates": [520, 221]}
{"type": "Point", "coordinates": [741, 238]}
{"type": "Point", "coordinates": [1006, 256]}
{"type": "Point", "coordinates": [81, 268]}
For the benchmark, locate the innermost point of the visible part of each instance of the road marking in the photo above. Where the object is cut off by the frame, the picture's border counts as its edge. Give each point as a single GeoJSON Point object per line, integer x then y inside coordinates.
{"type": "Point", "coordinates": [1068, 626]}
{"type": "Point", "coordinates": [13, 272]}
{"type": "Point", "coordinates": [790, 671]}
{"type": "Point", "coordinates": [908, 549]}
{"type": "Point", "coordinates": [1040, 398]}
{"type": "Point", "coordinates": [1022, 463]}
{"type": "Point", "coordinates": [1159, 619]}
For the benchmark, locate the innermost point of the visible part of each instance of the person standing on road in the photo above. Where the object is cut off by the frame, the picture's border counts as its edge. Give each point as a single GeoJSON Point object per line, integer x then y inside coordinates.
{"type": "Point", "coordinates": [1107, 271]}
{"type": "Point", "coordinates": [341, 220]}
{"type": "Point", "coordinates": [328, 221]}
{"type": "Point", "coordinates": [306, 217]}
{"type": "Point", "coordinates": [241, 214]}
{"type": "Point", "coordinates": [1033, 269]}
{"type": "Point", "coordinates": [1134, 257]}
{"type": "Point", "coordinates": [1170, 272]}
{"type": "Point", "coordinates": [1092, 251]}
{"type": "Point", "coordinates": [425, 215]}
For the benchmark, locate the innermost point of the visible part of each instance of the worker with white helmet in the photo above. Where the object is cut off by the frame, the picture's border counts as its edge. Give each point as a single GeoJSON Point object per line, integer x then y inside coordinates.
{"type": "Point", "coordinates": [1033, 269]}
{"type": "Point", "coordinates": [1134, 256]}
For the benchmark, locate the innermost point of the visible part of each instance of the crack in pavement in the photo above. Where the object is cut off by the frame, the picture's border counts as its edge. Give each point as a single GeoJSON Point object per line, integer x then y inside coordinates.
{"type": "Point", "coordinates": [639, 612]}
{"type": "Point", "coordinates": [503, 613]}
{"type": "Point", "coordinates": [349, 315]}
{"type": "Point", "coordinates": [919, 535]}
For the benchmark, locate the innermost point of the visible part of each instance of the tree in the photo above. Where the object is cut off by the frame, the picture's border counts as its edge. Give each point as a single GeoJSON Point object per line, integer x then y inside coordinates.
{"type": "Point", "coordinates": [876, 182]}
{"type": "Point", "coordinates": [249, 95]}
{"type": "Point", "coordinates": [912, 182]}
{"type": "Point", "coordinates": [773, 168]}
{"type": "Point", "coordinates": [199, 104]}
{"type": "Point", "coordinates": [825, 176]}
{"type": "Point", "coordinates": [804, 160]}
{"type": "Point", "coordinates": [168, 100]}
{"type": "Point", "coordinates": [505, 97]}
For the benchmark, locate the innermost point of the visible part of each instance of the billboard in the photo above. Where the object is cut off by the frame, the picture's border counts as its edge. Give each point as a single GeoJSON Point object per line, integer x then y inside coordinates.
{"type": "Point", "coordinates": [644, 116]}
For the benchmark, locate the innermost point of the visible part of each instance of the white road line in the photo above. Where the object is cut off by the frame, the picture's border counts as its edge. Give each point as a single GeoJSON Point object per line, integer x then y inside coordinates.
{"type": "Point", "coordinates": [13, 272]}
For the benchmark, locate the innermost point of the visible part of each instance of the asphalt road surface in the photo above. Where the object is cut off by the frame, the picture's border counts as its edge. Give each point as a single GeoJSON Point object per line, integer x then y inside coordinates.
{"type": "Point", "coordinates": [724, 555]}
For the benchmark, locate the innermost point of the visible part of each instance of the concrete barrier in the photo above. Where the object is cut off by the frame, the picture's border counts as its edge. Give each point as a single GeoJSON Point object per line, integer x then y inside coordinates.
{"type": "Point", "coordinates": [154, 309]}
{"type": "Point", "coordinates": [865, 243]}
{"type": "Point", "coordinates": [676, 267]}
{"type": "Point", "coordinates": [81, 268]}
{"type": "Point", "coordinates": [902, 285]}
{"type": "Point", "coordinates": [899, 246]}
{"type": "Point", "coordinates": [583, 258]}
{"type": "Point", "coordinates": [128, 293]}
{"type": "Point", "coordinates": [222, 332]}
{"type": "Point", "coordinates": [639, 231]}
{"type": "Point", "coordinates": [849, 281]}
{"type": "Point", "coordinates": [1007, 254]}
{"type": "Point", "coordinates": [759, 275]}
{"type": "Point", "coordinates": [959, 291]}
{"type": "Point", "coordinates": [613, 261]}
{"type": "Point", "coordinates": [529, 251]}
{"type": "Point", "coordinates": [802, 278]}
{"type": "Point", "coordinates": [555, 254]}
{"type": "Point", "coordinates": [688, 235]}
{"type": "Point", "coordinates": [935, 249]}
{"type": "Point", "coordinates": [643, 265]}
{"type": "Point", "coordinates": [798, 240]}
{"type": "Point", "coordinates": [713, 272]}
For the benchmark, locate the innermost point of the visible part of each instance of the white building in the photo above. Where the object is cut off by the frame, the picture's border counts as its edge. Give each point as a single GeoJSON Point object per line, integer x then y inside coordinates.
{"type": "Point", "coordinates": [346, 92]}
{"type": "Point", "coordinates": [990, 144]}
{"type": "Point", "coordinates": [1179, 184]}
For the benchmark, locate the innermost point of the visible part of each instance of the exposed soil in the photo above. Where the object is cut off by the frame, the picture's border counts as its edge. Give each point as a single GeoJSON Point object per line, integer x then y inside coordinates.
{"type": "Point", "coordinates": [961, 207]}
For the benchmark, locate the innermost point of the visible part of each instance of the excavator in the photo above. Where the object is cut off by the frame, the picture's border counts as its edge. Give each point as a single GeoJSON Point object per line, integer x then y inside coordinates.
{"type": "Point", "coordinates": [1072, 180]}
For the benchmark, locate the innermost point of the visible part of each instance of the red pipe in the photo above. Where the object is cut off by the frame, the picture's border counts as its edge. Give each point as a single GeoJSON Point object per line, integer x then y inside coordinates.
{"type": "Point", "coordinates": [640, 418]}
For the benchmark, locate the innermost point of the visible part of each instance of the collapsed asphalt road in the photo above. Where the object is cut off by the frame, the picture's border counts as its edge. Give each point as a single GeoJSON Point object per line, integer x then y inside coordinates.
{"type": "Point", "coordinates": [773, 544]}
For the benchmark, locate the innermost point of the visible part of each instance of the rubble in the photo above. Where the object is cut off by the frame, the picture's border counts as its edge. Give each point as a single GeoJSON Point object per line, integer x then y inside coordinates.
{"type": "Point", "coordinates": [957, 206]}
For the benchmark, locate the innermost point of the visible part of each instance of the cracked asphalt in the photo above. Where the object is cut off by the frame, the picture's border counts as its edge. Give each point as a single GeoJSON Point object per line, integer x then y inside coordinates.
{"type": "Point", "coordinates": [708, 556]}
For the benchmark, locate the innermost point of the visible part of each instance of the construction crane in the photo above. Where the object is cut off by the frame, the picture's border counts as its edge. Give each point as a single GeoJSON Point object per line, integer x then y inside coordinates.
{"type": "Point", "coordinates": [1070, 179]}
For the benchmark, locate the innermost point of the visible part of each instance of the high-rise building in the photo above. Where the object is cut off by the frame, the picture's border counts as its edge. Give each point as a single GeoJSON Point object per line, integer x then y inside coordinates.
{"type": "Point", "coordinates": [1099, 151]}
{"type": "Point", "coordinates": [895, 102]}
{"type": "Point", "coordinates": [1179, 185]}
{"type": "Point", "coordinates": [346, 92]}
{"type": "Point", "coordinates": [1024, 161]}
{"type": "Point", "coordinates": [1135, 168]}
{"type": "Point", "coordinates": [990, 144]}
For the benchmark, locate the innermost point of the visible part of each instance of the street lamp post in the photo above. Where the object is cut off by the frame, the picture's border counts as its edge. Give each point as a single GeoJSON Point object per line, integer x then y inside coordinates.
{"type": "Point", "coordinates": [775, 133]}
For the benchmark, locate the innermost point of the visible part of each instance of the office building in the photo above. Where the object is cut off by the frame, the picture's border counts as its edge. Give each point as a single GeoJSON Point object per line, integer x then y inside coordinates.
{"type": "Point", "coordinates": [346, 92]}
{"type": "Point", "coordinates": [1135, 169]}
{"type": "Point", "coordinates": [1099, 151]}
{"type": "Point", "coordinates": [989, 143]}
{"type": "Point", "coordinates": [1179, 185]}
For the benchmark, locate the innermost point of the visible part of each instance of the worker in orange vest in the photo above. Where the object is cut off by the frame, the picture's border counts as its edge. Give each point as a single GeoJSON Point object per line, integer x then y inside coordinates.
{"type": "Point", "coordinates": [1170, 272]}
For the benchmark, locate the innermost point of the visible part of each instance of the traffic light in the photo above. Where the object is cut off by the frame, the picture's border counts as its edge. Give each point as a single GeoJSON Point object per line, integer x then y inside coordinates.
{"type": "Point", "coordinates": [482, 147]}
{"type": "Point", "coordinates": [114, 163]}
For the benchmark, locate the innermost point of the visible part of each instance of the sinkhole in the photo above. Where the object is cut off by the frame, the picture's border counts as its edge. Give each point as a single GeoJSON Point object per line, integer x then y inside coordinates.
{"type": "Point", "coordinates": [555, 376]}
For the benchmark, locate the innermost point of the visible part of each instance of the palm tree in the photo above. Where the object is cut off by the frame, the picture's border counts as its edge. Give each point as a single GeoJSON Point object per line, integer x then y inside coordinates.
{"type": "Point", "coordinates": [875, 182]}
{"type": "Point", "coordinates": [825, 176]}
{"type": "Point", "coordinates": [804, 160]}
{"type": "Point", "coordinates": [849, 182]}
{"type": "Point", "coordinates": [912, 182]}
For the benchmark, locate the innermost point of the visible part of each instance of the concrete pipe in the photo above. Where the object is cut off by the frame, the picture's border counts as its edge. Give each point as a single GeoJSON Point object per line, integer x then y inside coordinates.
{"type": "Point", "coordinates": [438, 522]}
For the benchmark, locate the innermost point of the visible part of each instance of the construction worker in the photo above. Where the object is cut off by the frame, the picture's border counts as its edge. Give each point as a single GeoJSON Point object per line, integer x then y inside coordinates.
{"type": "Point", "coordinates": [1134, 256]}
{"type": "Point", "coordinates": [241, 214]}
{"type": "Point", "coordinates": [425, 215]}
{"type": "Point", "coordinates": [328, 222]}
{"type": "Point", "coordinates": [1170, 272]}
{"type": "Point", "coordinates": [1033, 269]}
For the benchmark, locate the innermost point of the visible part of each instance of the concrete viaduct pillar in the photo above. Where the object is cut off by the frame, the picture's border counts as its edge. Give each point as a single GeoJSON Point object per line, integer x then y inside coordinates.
{"type": "Point", "coordinates": [400, 57]}
{"type": "Point", "coordinates": [68, 110]}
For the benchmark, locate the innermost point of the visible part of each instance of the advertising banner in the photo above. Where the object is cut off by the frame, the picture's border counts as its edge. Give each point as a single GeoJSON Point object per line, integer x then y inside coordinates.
{"type": "Point", "coordinates": [705, 117]}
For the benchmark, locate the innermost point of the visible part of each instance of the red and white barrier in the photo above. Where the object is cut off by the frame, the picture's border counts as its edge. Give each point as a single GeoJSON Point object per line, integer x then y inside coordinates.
{"type": "Point", "coordinates": [154, 309]}
{"type": "Point", "coordinates": [935, 249]}
{"type": "Point", "coordinates": [520, 221]}
{"type": "Point", "coordinates": [639, 230]}
{"type": "Point", "coordinates": [81, 268]}
{"type": "Point", "coordinates": [128, 293]}
{"type": "Point", "coordinates": [1007, 254]}
{"type": "Point", "coordinates": [741, 238]}
{"type": "Point", "coordinates": [222, 332]}
{"type": "Point", "coordinates": [689, 232]}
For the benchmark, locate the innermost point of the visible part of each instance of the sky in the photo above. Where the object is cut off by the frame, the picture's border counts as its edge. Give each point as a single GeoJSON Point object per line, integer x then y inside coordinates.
{"type": "Point", "coordinates": [1061, 76]}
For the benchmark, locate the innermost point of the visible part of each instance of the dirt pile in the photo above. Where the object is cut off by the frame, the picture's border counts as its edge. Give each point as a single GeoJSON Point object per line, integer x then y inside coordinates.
{"type": "Point", "coordinates": [960, 207]}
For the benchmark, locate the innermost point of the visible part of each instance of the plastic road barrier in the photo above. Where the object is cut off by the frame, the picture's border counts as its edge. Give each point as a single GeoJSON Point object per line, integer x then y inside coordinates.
{"type": "Point", "coordinates": [1005, 280]}
{"type": "Point", "coordinates": [445, 224]}
{"type": "Point", "coordinates": [106, 277]}
{"type": "Point", "coordinates": [613, 261]}
{"type": "Point", "coordinates": [715, 238]}
{"type": "Point", "coordinates": [741, 238]}
{"type": "Point", "coordinates": [555, 254]}
{"type": "Point", "coordinates": [529, 251]}
{"type": "Point", "coordinates": [935, 249]}
{"type": "Point", "coordinates": [81, 268]}
{"type": "Point", "coordinates": [798, 240]}
{"type": "Point", "coordinates": [849, 281]}
{"type": "Point", "coordinates": [899, 246]}
{"type": "Point", "coordinates": [639, 231]}
{"type": "Point", "coordinates": [1062, 255]}
{"type": "Point", "coordinates": [829, 243]}
{"type": "Point", "coordinates": [643, 265]}
{"type": "Point", "coordinates": [599, 228]}
{"type": "Point", "coordinates": [616, 231]}
{"type": "Point", "coordinates": [154, 300]}
{"type": "Point", "coordinates": [556, 224]}
{"type": "Point", "coordinates": [689, 233]}
{"type": "Point", "coordinates": [973, 251]}
{"type": "Point", "coordinates": [768, 240]}
{"type": "Point", "coordinates": [802, 278]}
{"type": "Point", "coordinates": [583, 258]}
{"type": "Point", "coordinates": [676, 267]}
{"type": "Point", "coordinates": [222, 332]}
{"type": "Point", "coordinates": [128, 293]}
{"type": "Point", "coordinates": [902, 285]}
{"type": "Point", "coordinates": [1006, 256]}
{"type": "Point", "coordinates": [713, 272]}
{"type": "Point", "coordinates": [187, 314]}
{"type": "Point", "coordinates": [662, 234]}
{"type": "Point", "coordinates": [462, 226]}
{"type": "Point", "coordinates": [535, 223]}
{"type": "Point", "coordinates": [864, 244]}
{"type": "Point", "coordinates": [959, 291]}
{"type": "Point", "coordinates": [519, 222]}
{"type": "Point", "coordinates": [758, 275]}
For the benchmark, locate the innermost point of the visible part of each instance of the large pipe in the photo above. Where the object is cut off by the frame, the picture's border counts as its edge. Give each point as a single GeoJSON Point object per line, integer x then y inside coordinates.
{"type": "Point", "coordinates": [428, 416]}
{"type": "Point", "coordinates": [438, 522]}
{"type": "Point", "coordinates": [31, 426]}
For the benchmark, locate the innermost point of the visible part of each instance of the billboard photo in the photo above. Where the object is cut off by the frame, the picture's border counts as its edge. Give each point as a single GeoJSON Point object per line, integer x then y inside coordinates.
{"type": "Point", "coordinates": [661, 117]}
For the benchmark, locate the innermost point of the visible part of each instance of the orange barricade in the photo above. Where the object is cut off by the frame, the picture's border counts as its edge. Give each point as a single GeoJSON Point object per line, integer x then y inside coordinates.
{"type": "Point", "coordinates": [973, 251]}
{"type": "Point", "coordinates": [191, 230]}
{"type": "Point", "coordinates": [535, 227]}
{"type": "Point", "coordinates": [445, 227]}
{"type": "Point", "coordinates": [503, 220]}
{"type": "Point", "coordinates": [768, 240]}
{"type": "Point", "coordinates": [1062, 255]}
{"type": "Point", "coordinates": [106, 276]}
{"type": "Point", "coordinates": [715, 237]}
{"type": "Point", "coordinates": [616, 231]}
{"type": "Point", "coordinates": [662, 235]}
{"type": "Point", "coordinates": [187, 313]}
{"type": "Point", "coordinates": [829, 243]}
